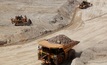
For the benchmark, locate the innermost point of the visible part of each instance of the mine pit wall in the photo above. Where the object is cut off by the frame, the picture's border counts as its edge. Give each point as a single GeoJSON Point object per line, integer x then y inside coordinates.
{"type": "Point", "coordinates": [67, 12]}
{"type": "Point", "coordinates": [63, 17]}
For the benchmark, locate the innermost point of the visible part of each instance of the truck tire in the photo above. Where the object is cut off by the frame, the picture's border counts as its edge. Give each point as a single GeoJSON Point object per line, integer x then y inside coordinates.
{"type": "Point", "coordinates": [43, 64]}
{"type": "Point", "coordinates": [71, 54]}
{"type": "Point", "coordinates": [59, 60]}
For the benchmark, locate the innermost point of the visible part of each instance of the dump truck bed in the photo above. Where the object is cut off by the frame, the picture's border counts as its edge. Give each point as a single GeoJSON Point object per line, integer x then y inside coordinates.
{"type": "Point", "coordinates": [50, 45]}
{"type": "Point", "coordinates": [60, 41]}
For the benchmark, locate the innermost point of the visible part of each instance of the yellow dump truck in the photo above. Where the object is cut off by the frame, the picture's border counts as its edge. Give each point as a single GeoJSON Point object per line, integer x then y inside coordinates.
{"type": "Point", "coordinates": [55, 50]}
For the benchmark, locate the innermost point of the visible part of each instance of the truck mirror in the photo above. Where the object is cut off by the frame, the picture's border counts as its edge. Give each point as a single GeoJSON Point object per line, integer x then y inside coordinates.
{"type": "Point", "coordinates": [39, 47]}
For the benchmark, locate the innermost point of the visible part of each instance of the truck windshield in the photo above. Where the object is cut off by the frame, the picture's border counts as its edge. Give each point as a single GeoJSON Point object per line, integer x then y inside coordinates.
{"type": "Point", "coordinates": [50, 50]}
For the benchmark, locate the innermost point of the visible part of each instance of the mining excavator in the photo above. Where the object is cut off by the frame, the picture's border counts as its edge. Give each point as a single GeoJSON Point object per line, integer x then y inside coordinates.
{"type": "Point", "coordinates": [56, 50]}
{"type": "Point", "coordinates": [21, 21]}
{"type": "Point", "coordinates": [85, 5]}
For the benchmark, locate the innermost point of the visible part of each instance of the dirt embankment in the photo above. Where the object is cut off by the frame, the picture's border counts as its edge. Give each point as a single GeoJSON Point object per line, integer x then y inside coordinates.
{"type": "Point", "coordinates": [43, 23]}
{"type": "Point", "coordinates": [96, 55]}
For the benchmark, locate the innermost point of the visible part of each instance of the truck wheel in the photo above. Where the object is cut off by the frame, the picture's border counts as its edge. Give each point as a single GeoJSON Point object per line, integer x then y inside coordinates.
{"type": "Point", "coordinates": [43, 64]}
{"type": "Point", "coordinates": [59, 60]}
{"type": "Point", "coordinates": [55, 62]}
{"type": "Point", "coordinates": [71, 54]}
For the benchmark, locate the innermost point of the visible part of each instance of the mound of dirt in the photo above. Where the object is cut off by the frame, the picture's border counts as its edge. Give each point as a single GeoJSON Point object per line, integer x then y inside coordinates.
{"type": "Point", "coordinates": [96, 55]}
{"type": "Point", "coordinates": [60, 39]}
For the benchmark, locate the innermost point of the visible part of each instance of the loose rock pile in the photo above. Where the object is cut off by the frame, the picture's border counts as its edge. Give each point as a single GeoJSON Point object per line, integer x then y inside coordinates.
{"type": "Point", "coordinates": [60, 39]}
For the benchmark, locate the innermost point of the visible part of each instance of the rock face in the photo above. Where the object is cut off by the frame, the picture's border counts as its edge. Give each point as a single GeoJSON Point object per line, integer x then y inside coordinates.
{"type": "Point", "coordinates": [93, 56]}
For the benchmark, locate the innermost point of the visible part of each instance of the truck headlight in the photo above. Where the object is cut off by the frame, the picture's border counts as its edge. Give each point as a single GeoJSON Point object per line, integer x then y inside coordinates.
{"type": "Point", "coordinates": [53, 56]}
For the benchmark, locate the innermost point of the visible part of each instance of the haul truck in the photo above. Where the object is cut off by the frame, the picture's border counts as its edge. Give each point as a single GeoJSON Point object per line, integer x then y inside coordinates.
{"type": "Point", "coordinates": [55, 50]}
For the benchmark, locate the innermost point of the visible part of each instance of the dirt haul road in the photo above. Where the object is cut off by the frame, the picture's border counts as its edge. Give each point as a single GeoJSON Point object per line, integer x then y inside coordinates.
{"type": "Point", "coordinates": [89, 27]}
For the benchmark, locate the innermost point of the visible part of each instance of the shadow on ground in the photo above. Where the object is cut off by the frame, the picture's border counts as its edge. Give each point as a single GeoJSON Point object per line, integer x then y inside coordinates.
{"type": "Point", "coordinates": [68, 62]}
